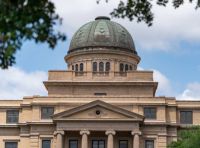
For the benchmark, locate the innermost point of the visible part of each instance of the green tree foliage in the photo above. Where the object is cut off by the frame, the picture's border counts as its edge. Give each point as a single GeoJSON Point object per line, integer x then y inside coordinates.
{"type": "Point", "coordinates": [26, 20]}
{"type": "Point", "coordinates": [187, 139]}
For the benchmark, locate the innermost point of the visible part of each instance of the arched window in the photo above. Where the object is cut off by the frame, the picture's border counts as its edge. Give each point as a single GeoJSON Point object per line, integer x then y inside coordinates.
{"type": "Point", "coordinates": [101, 67]}
{"type": "Point", "coordinates": [126, 67]}
{"type": "Point", "coordinates": [81, 67]}
{"type": "Point", "coordinates": [107, 66]}
{"type": "Point", "coordinates": [76, 67]}
{"type": "Point", "coordinates": [94, 67]}
{"type": "Point", "coordinates": [121, 67]}
{"type": "Point", "coordinates": [72, 67]}
{"type": "Point", "coordinates": [131, 68]}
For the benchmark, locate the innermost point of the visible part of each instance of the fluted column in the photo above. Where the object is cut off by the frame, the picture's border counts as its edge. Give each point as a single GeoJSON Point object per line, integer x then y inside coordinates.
{"type": "Point", "coordinates": [136, 139]}
{"type": "Point", "coordinates": [84, 142]}
{"type": "Point", "coordinates": [59, 139]}
{"type": "Point", "coordinates": [110, 141]}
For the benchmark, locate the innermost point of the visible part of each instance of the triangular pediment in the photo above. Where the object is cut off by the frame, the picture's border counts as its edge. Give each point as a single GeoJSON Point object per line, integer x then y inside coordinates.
{"type": "Point", "coordinates": [98, 110]}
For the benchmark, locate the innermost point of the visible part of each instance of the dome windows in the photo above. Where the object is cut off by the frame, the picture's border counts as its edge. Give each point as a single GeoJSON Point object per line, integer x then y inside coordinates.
{"type": "Point", "coordinates": [126, 67]}
{"type": "Point", "coordinates": [102, 66]}
{"type": "Point", "coordinates": [107, 66]}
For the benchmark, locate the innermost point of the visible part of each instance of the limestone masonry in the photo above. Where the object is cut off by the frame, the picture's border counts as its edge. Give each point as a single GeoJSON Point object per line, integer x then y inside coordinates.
{"type": "Point", "coordinates": [100, 101]}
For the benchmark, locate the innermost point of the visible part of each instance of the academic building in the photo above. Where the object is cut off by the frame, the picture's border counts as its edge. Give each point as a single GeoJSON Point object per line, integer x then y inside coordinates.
{"type": "Point", "coordinates": [100, 101]}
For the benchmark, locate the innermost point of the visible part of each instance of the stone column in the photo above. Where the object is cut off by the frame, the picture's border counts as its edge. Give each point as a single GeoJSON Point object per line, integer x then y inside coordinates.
{"type": "Point", "coordinates": [136, 139]}
{"type": "Point", "coordinates": [84, 142]}
{"type": "Point", "coordinates": [59, 139]}
{"type": "Point", "coordinates": [110, 141]}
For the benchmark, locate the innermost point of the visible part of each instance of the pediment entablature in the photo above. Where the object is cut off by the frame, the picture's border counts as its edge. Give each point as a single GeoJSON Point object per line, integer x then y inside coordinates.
{"type": "Point", "coordinates": [97, 110]}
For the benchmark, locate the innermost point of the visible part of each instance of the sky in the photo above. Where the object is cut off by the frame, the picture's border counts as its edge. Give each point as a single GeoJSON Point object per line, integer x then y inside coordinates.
{"type": "Point", "coordinates": [171, 48]}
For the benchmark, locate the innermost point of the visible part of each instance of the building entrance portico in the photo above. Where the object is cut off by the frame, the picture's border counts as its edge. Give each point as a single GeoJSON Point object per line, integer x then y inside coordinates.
{"type": "Point", "coordinates": [97, 125]}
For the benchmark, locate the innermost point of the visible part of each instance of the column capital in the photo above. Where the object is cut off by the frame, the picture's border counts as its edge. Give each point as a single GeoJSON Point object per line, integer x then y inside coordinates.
{"type": "Point", "coordinates": [59, 132]}
{"type": "Point", "coordinates": [108, 132]}
{"type": "Point", "coordinates": [136, 133]}
{"type": "Point", "coordinates": [87, 132]}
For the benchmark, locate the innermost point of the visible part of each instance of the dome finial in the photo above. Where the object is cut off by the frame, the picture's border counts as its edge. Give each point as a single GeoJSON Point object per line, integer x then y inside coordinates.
{"type": "Point", "coordinates": [102, 18]}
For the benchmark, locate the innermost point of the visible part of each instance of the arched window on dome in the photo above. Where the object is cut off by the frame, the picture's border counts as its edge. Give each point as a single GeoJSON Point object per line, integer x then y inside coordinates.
{"type": "Point", "coordinates": [101, 67]}
{"type": "Point", "coordinates": [126, 67]}
{"type": "Point", "coordinates": [81, 67]}
{"type": "Point", "coordinates": [107, 66]}
{"type": "Point", "coordinates": [94, 66]}
{"type": "Point", "coordinates": [121, 67]}
{"type": "Point", "coordinates": [130, 67]}
{"type": "Point", "coordinates": [76, 67]}
{"type": "Point", "coordinates": [72, 67]}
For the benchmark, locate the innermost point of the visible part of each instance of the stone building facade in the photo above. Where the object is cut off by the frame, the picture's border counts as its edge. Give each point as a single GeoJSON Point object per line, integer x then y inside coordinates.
{"type": "Point", "coordinates": [101, 101]}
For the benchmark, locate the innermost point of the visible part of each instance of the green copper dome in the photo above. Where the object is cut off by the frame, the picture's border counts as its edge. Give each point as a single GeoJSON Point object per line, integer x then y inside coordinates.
{"type": "Point", "coordinates": [102, 33]}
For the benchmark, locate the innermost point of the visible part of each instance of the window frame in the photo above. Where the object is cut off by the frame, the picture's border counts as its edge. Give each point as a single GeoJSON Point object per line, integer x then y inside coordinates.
{"type": "Point", "coordinates": [6, 142]}
{"type": "Point", "coordinates": [101, 66]}
{"type": "Point", "coordinates": [81, 67]}
{"type": "Point", "coordinates": [41, 112]}
{"type": "Point", "coordinates": [121, 67]}
{"type": "Point", "coordinates": [107, 66]}
{"type": "Point", "coordinates": [94, 66]}
{"type": "Point", "coordinates": [186, 121]}
{"type": "Point", "coordinates": [98, 142]}
{"type": "Point", "coordinates": [45, 140]}
{"type": "Point", "coordinates": [123, 140]}
{"type": "Point", "coordinates": [147, 140]}
{"type": "Point", "coordinates": [73, 140]}
{"type": "Point", "coordinates": [7, 116]}
{"type": "Point", "coordinates": [148, 116]}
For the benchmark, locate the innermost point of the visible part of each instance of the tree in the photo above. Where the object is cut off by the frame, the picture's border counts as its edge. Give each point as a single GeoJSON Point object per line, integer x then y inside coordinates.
{"type": "Point", "coordinates": [35, 20]}
{"type": "Point", "coordinates": [188, 138]}
{"type": "Point", "coordinates": [26, 20]}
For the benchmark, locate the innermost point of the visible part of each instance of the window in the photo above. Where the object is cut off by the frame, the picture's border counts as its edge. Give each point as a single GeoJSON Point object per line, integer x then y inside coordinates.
{"type": "Point", "coordinates": [94, 66]}
{"type": "Point", "coordinates": [123, 143]}
{"type": "Point", "coordinates": [101, 67]}
{"type": "Point", "coordinates": [47, 112]}
{"type": "Point", "coordinates": [107, 66]}
{"type": "Point", "coordinates": [72, 67]}
{"type": "Point", "coordinates": [149, 143]}
{"type": "Point", "coordinates": [46, 143]}
{"type": "Point", "coordinates": [98, 144]}
{"type": "Point", "coordinates": [121, 67]}
{"type": "Point", "coordinates": [186, 117]}
{"type": "Point", "coordinates": [150, 112]}
{"type": "Point", "coordinates": [81, 67]}
{"type": "Point", "coordinates": [126, 67]}
{"type": "Point", "coordinates": [76, 67]}
{"type": "Point", "coordinates": [12, 116]}
{"type": "Point", "coordinates": [73, 143]}
{"type": "Point", "coordinates": [10, 144]}
{"type": "Point", "coordinates": [130, 67]}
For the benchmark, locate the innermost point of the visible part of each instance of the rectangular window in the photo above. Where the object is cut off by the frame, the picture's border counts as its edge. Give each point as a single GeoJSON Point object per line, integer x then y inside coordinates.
{"type": "Point", "coordinates": [150, 112]}
{"type": "Point", "coordinates": [98, 143]}
{"type": "Point", "coordinates": [73, 143]}
{"type": "Point", "coordinates": [46, 143]}
{"type": "Point", "coordinates": [12, 116]}
{"type": "Point", "coordinates": [149, 143]}
{"type": "Point", "coordinates": [123, 143]}
{"type": "Point", "coordinates": [47, 112]}
{"type": "Point", "coordinates": [186, 117]}
{"type": "Point", "coordinates": [10, 144]}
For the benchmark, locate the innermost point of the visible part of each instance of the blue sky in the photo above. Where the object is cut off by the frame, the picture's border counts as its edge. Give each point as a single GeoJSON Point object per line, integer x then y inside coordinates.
{"type": "Point", "coordinates": [170, 48]}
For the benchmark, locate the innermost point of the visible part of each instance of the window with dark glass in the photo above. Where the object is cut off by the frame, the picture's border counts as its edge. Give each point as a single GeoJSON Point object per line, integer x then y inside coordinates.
{"type": "Point", "coordinates": [81, 67]}
{"type": "Point", "coordinates": [150, 112]}
{"type": "Point", "coordinates": [131, 68]}
{"type": "Point", "coordinates": [126, 67]}
{"type": "Point", "coordinates": [72, 67]}
{"type": "Point", "coordinates": [47, 112]}
{"type": "Point", "coordinates": [149, 143]}
{"type": "Point", "coordinates": [186, 117]}
{"type": "Point", "coordinates": [101, 67]}
{"type": "Point", "coordinates": [76, 67]}
{"type": "Point", "coordinates": [73, 143]}
{"type": "Point", "coordinates": [12, 116]}
{"type": "Point", "coordinates": [123, 143]}
{"type": "Point", "coordinates": [121, 67]}
{"type": "Point", "coordinates": [98, 143]}
{"type": "Point", "coordinates": [46, 143]}
{"type": "Point", "coordinates": [94, 66]}
{"type": "Point", "coordinates": [107, 66]}
{"type": "Point", "coordinates": [11, 144]}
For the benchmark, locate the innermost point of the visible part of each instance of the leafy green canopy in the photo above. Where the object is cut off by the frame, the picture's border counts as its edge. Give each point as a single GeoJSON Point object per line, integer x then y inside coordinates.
{"type": "Point", "coordinates": [26, 20]}
{"type": "Point", "coordinates": [187, 139]}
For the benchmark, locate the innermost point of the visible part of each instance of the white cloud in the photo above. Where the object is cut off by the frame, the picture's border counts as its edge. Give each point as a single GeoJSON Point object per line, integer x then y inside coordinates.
{"type": "Point", "coordinates": [16, 83]}
{"type": "Point", "coordinates": [171, 27]}
{"type": "Point", "coordinates": [192, 92]}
